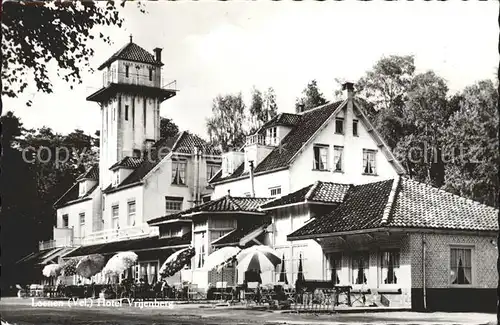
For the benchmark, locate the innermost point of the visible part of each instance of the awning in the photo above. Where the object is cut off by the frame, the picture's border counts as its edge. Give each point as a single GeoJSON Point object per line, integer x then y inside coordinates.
{"type": "Point", "coordinates": [39, 257]}
{"type": "Point", "coordinates": [134, 245]}
{"type": "Point", "coordinates": [241, 236]}
{"type": "Point", "coordinates": [53, 258]}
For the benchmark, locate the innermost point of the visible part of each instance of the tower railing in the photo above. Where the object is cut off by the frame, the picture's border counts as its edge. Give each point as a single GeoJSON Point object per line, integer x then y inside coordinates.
{"type": "Point", "coordinates": [137, 79]}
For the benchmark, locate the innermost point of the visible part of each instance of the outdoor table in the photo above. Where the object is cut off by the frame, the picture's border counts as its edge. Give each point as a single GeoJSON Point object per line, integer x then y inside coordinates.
{"type": "Point", "coordinates": [345, 290]}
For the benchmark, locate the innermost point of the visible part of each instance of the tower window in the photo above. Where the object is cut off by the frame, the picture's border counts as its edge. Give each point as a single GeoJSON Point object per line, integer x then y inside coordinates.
{"type": "Point", "coordinates": [126, 71]}
{"type": "Point", "coordinates": [126, 112]}
{"type": "Point", "coordinates": [144, 113]}
{"type": "Point", "coordinates": [150, 74]}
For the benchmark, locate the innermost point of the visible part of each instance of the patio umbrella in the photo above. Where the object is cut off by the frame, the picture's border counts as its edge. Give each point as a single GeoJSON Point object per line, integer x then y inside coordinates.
{"type": "Point", "coordinates": [90, 265]}
{"type": "Point", "coordinates": [69, 268]}
{"type": "Point", "coordinates": [220, 257]}
{"type": "Point", "coordinates": [176, 262]}
{"type": "Point", "coordinates": [52, 270]}
{"type": "Point", "coordinates": [119, 263]}
{"type": "Point", "coordinates": [259, 258]}
{"type": "Point", "coordinates": [283, 277]}
{"type": "Point", "coordinates": [300, 274]}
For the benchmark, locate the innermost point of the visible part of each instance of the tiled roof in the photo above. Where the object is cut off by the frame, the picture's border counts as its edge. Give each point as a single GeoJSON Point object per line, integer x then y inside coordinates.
{"type": "Point", "coordinates": [230, 204]}
{"type": "Point", "coordinates": [363, 209]}
{"type": "Point", "coordinates": [286, 119]}
{"type": "Point", "coordinates": [415, 205]}
{"type": "Point", "coordinates": [132, 52]}
{"type": "Point", "coordinates": [183, 142]}
{"type": "Point", "coordinates": [73, 195]}
{"type": "Point", "coordinates": [320, 192]}
{"type": "Point", "coordinates": [91, 173]}
{"type": "Point", "coordinates": [132, 245]}
{"type": "Point", "coordinates": [419, 205]}
{"type": "Point", "coordinates": [234, 237]}
{"type": "Point", "coordinates": [281, 156]}
{"type": "Point", "coordinates": [128, 162]}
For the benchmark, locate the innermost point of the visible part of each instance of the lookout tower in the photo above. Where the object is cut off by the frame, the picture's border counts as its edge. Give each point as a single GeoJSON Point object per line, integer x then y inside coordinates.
{"type": "Point", "coordinates": [130, 99]}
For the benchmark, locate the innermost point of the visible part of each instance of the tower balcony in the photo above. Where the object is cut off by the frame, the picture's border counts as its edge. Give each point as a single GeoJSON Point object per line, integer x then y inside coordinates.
{"type": "Point", "coordinates": [133, 83]}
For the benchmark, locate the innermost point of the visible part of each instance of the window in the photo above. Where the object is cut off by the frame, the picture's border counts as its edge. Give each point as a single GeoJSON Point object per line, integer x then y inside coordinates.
{"type": "Point", "coordinates": [116, 178]}
{"type": "Point", "coordinates": [82, 224]}
{"type": "Point", "coordinates": [199, 242]}
{"type": "Point", "coordinates": [333, 267]}
{"type": "Point", "coordinates": [126, 71]}
{"type": "Point", "coordinates": [389, 266]}
{"type": "Point", "coordinates": [359, 268]}
{"type": "Point", "coordinates": [222, 223]}
{"type": "Point", "coordinates": [205, 199]}
{"type": "Point", "coordinates": [115, 217]}
{"type": "Point", "coordinates": [355, 128]}
{"type": "Point", "coordinates": [337, 158]}
{"type": "Point", "coordinates": [369, 161]}
{"type": "Point", "coordinates": [173, 204]}
{"type": "Point", "coordinates": [461, 266]}
{"type": "Point", "coordinates": [179, 172]}
{"type": "Point", "coordinates": [273, 135]}
{"type": "Point", "coordinates": [83, 188]}
{"type": "Point", "coordinates": [320, 157]}
{"type": "Point", "coordinates": [150, 74]}
{"type": "Point", "coordinates": [126, 112]}
{"type": "Point", "coordinates": [275, 191]}
{"type": "Point", "coordinates": [144, 113]}
{"type": "Point", "coordinates": [212, 169]}
{"type": "Point", "coordinates": [131, 213]}
{"type": "Point", "coordinates": [65, 223]}
{"type": "Point", "coordinates": [339, 125]}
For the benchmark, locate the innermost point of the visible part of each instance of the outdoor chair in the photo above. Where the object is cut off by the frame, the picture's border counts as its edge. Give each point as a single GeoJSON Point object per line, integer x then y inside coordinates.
{"type": "Point", "coordinates": [220, 290]}
{"type": "Point", "coordinates": [359, 295]}
{"type": "Point", "coordinates": [193, 292]}
{"type": "Point", "coordinates": [252, 292]}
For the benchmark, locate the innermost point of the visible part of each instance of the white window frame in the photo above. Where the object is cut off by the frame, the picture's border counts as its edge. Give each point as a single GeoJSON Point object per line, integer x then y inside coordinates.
{"type": "Point", "coordinates": [116, 178]}
{"type": "Point", "coordinates": [336, 150]}
{"type": "Point", "coordinates": [181, 166]}
{"type": "Point", "coordinates": [81, 224]}
{"type": "Point", "coordinates": [327, 270]}
{"type": "Point", "coordinates": [65, 221]}
{"type": "Point", "coordinates": [367, 153]}
{"type": "Point", "coordinates": [382, 267]}
{"type": "Point", "coordinates": [131, 214]}
{"type": "Point", "coordinates": [321, 150]}
{"type": "Point", "coordinates": [211, 171]}
{"type": "Point", "coordinates": [173, 205]}
{"type": "Point", "coordinates": [469, 248]}
{"type": "Point", "coordinates": [276, 190]}
{"type": "Point", "coordinates": [115, 219]}
{"type": "Point", "coordinates": [366, 267]}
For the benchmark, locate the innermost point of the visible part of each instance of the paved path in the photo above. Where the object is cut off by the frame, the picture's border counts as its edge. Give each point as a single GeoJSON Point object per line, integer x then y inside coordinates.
{"type": "Point", "coordinates": [22, 312]}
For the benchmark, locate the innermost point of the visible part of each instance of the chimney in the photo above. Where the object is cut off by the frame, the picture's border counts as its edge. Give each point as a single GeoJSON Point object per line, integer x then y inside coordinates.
{"type": "Point", "coordinates": [349, 87]}
{"type": "Point", "coordinates": [157, 51]}
{"type": "Point", "coordinates": [301, 107]}
{"type": "Point", "coordinates": [251, 178]}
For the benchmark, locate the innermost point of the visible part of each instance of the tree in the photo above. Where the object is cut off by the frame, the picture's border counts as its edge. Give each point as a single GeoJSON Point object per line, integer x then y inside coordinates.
{"type": "Point", "coordinates": [472, 142]}
{"type": "Point", "coordinates": [36, 33]}
{"type": "Point", "coordinates": [426, 117]}
{"type": "Point", "coordinates": [311, 97]}
{"type": "Point", "coordinates": [225, 126]}
{"type": "Point", "coordinates": [168, 128]}
{"type": "Point", "coordinates": [262, 108]}
{"type": "Point", "coordinates": [385, 88]}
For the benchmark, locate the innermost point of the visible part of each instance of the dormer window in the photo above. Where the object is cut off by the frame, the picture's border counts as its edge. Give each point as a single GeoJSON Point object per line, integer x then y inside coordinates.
{"type": "Point", "coordinates": [83, 188]}
{"type": "Point", "coordinates": [116, 178]}
{"type": "Point", "coordinates": [272, 135]}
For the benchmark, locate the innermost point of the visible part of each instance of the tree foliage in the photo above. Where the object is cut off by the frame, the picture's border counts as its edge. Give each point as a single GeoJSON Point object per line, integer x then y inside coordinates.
{"type": "Point", "coordinates": [447, 141]}
{"type": "Point", "coordinates": [225, 126]}
{"type": "Point", "coordinates": [168, 128]}
{"type": "Point", "coordinates": [263, 107]}
{"type": "Point", "coordinates": [36, 33]}
{"type": "Point", "coordinates": [311, 97]}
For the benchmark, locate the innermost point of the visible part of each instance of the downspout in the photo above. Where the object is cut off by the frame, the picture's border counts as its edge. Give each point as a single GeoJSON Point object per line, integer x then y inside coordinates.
{"type": "Point", "coordinates": [251, 177]}
{"type": "Point", "coordinates": [196, 176]}
{"type": "Point", "coordinates": [424, 284]}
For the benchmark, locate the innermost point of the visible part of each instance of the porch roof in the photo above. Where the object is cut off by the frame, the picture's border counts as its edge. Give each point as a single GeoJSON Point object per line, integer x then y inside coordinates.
{"type": "Point", "coordinates": [319, 192]}
{"type": "Point", "coordinates": [228, 203]}
{"type": "Point", "coordinates": [141, 244]}
{"type": "Point", "coordinates": [401, 203]}
{"type": "Point", "coordinates": [236, 236]}
{"type": "Point", "coordinates": [39, 257]}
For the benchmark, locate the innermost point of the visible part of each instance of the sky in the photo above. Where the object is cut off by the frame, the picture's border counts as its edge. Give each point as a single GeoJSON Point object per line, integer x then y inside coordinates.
{"type": "Point", "coordinates": [213, 48]}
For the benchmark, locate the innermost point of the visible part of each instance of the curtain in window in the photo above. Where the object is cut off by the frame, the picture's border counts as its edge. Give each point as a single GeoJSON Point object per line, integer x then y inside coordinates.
{"type": "Point", "coordinates": [390, 267]}
{"type": "Point", "coordinates": [359, 268]}
{"type": "Point", "coordinates": [338, 158]}
{"type": "Point", "coordinates": [461, 268]}
{"type": "Point", "coordinates": [369, 162]}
